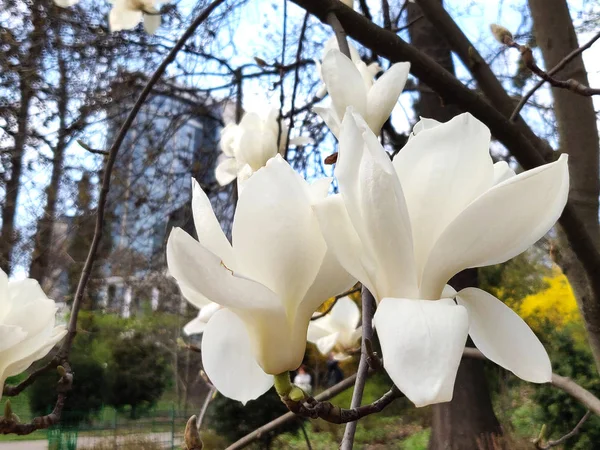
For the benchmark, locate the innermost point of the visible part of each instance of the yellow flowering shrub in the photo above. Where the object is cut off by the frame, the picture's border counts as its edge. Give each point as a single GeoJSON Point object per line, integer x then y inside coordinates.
{"type": "Point", "coordinates": [555, 304]}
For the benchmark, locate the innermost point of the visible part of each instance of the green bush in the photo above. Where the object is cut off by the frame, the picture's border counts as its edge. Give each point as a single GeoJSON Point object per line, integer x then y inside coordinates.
{"type": "Point", "coordinates": [232, 420]}
{"type": "Point", "coordinates": [559, 411]}
{"type": "Point", "coordinates": [137, 375]}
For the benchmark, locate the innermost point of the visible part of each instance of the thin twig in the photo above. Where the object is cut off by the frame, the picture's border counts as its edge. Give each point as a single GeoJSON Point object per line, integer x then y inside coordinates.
{"type": "Point", "coordinates": [363, 365]}
{"type": "Point", "coordinates": [385, 11]}
{"type": "Point", "coordinates": [296, 81]}
{"type": "Point", "coordinates": [282, 76]}
{"type": "Point", "coordinates": [408, 24]}
{"type": "Point", "coordinates": [563, 62]}
{"type": "Point", "coordinates": [11, 425]}
{"type": "Point", "coordinates": [306, 439]}
{"type": "Point", "coordinates": [569, 435]}
{"type": "Point", "coordinates": [528, 59]}
{"type": "Point", "coordinates": [340, 34]}
{"type": "Point", "coordinates": [337, 297]}
{"type": "Point", "coordinates": [11, 391]}
{"type": "Point", "coordinates": [110, 162]}
{"type": "Point", "coordinates": [288, 417]}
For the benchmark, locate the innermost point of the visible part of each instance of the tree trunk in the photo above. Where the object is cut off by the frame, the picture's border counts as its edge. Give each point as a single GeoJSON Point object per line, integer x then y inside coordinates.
{"type": "Point", "coordinates": [468, 421]}
{"type": "Point", "coordinates": [28, 74]}
{"type": "Point", "coordinates": [41, 259]}
{"type": "Point", "coordinates": [578, 136]}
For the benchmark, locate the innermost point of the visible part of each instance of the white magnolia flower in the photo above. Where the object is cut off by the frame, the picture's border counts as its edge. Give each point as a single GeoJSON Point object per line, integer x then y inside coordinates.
{"type": "Point", "coordinates": [27, 326]}
{"type": "Point", "coordinates": [126, 14]}
{"type": "Point", "coordinates": [337, 329]}
{"type": "Point", "coordinates": [65, 3]}
{"type": "Point", "coordinates": [248, 146]}
{"type": "Point", "coordinates": [269, 283]}
{"type": "Point", "coordinates": [368, 72]}
{"type": "Point", "coordinates": [349, 85]}
{"type": "Point", "coordinates": [405, 228]}
{"type": "Point", "coordinates": [197, 325]}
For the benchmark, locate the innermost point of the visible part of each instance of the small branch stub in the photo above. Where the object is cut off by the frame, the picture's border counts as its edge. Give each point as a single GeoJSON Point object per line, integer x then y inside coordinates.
{"type": "Point", "coordinates": [192, 436]}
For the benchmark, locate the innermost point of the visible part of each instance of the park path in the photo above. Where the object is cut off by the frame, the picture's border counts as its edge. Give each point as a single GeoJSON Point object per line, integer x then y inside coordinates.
{"type": "Point", "coordinates": [83, 441]}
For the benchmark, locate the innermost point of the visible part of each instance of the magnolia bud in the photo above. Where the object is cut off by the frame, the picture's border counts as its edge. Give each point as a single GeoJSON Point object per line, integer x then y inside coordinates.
{"type": "Point", "coordinates": [501, 33]}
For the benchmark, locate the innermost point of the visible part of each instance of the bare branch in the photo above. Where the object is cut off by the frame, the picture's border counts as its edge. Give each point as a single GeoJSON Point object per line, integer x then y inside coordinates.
{"type": "Point", "coordinates": [11, 424]}
{"type": "Point", "coordinates": [368, 309]}
{"type": "Point", "coordinates": [112, 156]}
{"type": "Point", "coordinates": [566, 60]}
{"type": "Point", "coordinates": [569, 435]}
{"type": "Point", "coordinates": [340, 34]}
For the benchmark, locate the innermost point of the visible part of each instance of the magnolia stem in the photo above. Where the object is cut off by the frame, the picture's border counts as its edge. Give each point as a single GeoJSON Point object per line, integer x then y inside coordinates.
{"type": "Point", "coordinates": [283, 384]}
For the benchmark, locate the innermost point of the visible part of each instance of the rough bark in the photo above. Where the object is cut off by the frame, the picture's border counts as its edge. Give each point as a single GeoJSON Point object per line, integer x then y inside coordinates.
{"type": "Point", "coordinates": [468, 421]}
{"type": "Point", "coordinates": [577, 136]}
{"type": "Point", "coordinates": [28, 74]}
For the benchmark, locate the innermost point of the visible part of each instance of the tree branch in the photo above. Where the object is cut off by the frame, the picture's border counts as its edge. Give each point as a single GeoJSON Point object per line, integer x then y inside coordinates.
{"type": "Point", "coordinates": [110, 162]}
{"type": "Point", "coordinates": [517, 137]}
{"type": "Point", "coordinates": [368, 303]}
{"type": "Point", "coordinates": [569, 435]}
{"type": "Point", "coordinates": [566, 60]}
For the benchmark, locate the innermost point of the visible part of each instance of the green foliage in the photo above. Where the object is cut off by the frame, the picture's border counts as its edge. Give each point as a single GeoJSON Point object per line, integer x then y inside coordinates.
{"type": "Point", "coordinates": [138, 373]}
{"type": "Point", "coordinates": [232, 420]}
{"type": "Point", "coordinates": [85, 398]}
{"type": "Point", "coordinates": [559, 411]}
{"type": "Point", "coordinates": [417, 441]}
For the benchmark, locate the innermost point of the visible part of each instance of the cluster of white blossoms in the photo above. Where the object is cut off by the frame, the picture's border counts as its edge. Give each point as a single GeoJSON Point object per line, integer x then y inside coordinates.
{"type": "Point", "coordinates": [126, 14]}
{"type": "Point", "coordinates": [402, 228]}
{"type": "Point", "coordinates": [28, 329]}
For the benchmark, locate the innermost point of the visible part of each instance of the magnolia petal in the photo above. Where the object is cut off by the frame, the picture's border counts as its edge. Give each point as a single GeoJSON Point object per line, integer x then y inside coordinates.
{"type": "Point", "coordinates": [208, 228]}
{"type": "Point", "coordinates": [504, 338]}
{"type": "Point", "coordinates": [226, 171]}
{"type": "Point", "coordinates": [422, 342]}
{"type": "Point", "coordinates": [500, 224]}
{"type": "Point", "coordinates": [375, 203]}
{"type": "Point", "coordinates": [151, 22]}
{"type": "Point", "coordinates": [318, 329]}
{"type": "Point", "coordinates": [5, 302]}
{"type": "Point", "coordinates": [198, 270]}
{"type": "Point", "coordinates": [502, 172]}
{"type": "Point", "coordinates": [194, 326]}
{"type": "Point", "coordinates": [228, 137]}
{"type": "Point", "coordinates": [228, 361]}
{"type": "Point", "coordinates": [319, 189]}
{"type": "Point", "coordinates": [442, 169]}
{"type": "Point", "coordinates": [123, 19]}
{"type": "Point", "coordinates": [344, 315]}
{"type": "Point", "coordinates": [343, 241]}
{"type": "Point", "coordinates": [276, 236]}
{"type": "Point", "coordinates": [423, 124]}
{"type": "Point", "coordinates": [330, 119]}
{"type": "Point", "coordinates": [384, 94]}
{"type": "Point", "coordinates": [10, 335]}
{"type": "Point", "coordinates": [344, 83]}
{"type": "Point", "coordinates": [65, 3]}
{"type": "Point", "coordinates": [326, 343]}
{"type": "Point", "coordinates": [25, 291]}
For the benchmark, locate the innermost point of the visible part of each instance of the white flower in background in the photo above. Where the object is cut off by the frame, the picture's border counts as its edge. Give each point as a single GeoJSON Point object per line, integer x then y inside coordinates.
{"type": "Point", "coordinates": [197, 325]}
{"type": "Point", "coordinates": [368, 72]}
{"type": "Point", "coordinates": [248, 145]}
{"type": "Point", "coordinates": [269, 283]}
{"type": "Point", "coordinates": [65, 3]}
{"type": "Point", "coordinates": [405, 228]}
{"type": "Point", "coordinates": [27, 326]}
{"type": "Point", "coordinates": [336, 330]}
{"type": "Point", "coordinates": [348, 85]}
{"type": "Point", "coordinates": [126, 14]}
